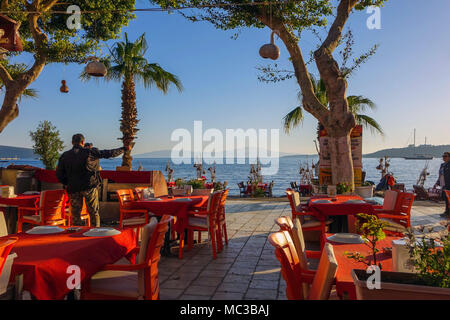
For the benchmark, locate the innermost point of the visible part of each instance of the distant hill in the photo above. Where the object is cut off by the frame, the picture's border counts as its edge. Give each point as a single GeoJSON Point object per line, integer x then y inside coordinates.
{"type": "Point", "coordinates": [13, 152]}
{"type": "Point", "coordinates": [435, 151]}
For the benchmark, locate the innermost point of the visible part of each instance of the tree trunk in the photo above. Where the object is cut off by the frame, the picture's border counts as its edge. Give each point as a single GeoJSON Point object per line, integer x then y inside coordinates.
{"type": "Point", "coordinates": [9, 110]}
{"type": "Point", "coordinates": [341, 159]}
{"type": "Point", "coordinates": [129, 120]}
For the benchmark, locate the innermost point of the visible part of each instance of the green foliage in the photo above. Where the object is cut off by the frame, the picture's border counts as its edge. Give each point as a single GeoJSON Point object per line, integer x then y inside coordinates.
{"type": "Point", "coordinates": [371, 230]}
{"type": "Point", "coordinates": [180, 182]}
{"type": "Point", "coordinates": [47, 144]}
{"type": "Point", "coordinates": [220, 186]}
{"type": "Point", "coordinates": [71, 45]}
{"type": "Point", "coordinates": [343, 187]}
{"type": "Point", "coordinates": [431, 263]}
{"type": "Point", "coordinates": [14, 70]}
{"type": "Point", "coordinates": [196, 184]}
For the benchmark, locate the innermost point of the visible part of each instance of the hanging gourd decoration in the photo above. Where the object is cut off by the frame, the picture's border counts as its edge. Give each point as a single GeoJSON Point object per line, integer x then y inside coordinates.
{"type": "Point", "coordinates": [64, 88]}
{"type": "Point", "coordinates": [270, 50]}
{"type": "Point", "coordinates": [95, 68]}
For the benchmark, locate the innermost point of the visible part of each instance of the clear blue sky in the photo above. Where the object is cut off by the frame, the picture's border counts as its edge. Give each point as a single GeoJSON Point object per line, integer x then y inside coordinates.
{"type": "Point", "coordinates": [408, 78]}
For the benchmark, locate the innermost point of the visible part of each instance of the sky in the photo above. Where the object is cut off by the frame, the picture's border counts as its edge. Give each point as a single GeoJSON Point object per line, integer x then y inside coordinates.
{"type": "Point", "coordinates": [408, 78]}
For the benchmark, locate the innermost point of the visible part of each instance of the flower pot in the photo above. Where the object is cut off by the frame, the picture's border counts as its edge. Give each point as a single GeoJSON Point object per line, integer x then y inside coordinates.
{"type": "Point", "coordinates": [397, 286]}
{"type": "Point", "coordinates": [364, 192]}
{"type": "Point", "coordinates": [201, 192]}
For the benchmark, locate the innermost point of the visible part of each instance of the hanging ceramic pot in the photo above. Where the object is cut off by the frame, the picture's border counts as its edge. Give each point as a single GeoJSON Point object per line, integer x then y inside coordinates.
{"type": "Point", "coordinates": [95, 68]}
{"type": "Point", "coordinates": [64, 88]}
{"type": "Point", "coordinates": [270, 50]}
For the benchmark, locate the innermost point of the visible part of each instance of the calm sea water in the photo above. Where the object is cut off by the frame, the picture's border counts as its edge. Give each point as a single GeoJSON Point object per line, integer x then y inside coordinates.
{"type": "Point", "coordinates": [406, 171]}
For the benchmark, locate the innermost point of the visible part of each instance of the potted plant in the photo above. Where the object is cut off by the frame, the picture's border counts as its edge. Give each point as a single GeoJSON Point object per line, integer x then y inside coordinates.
{"type": "Point", "coordinates": [343, 188]}
{"type": "Point", "coordinates": [365, 190]}
{"type": "Point", "coordinates": [430, 281]}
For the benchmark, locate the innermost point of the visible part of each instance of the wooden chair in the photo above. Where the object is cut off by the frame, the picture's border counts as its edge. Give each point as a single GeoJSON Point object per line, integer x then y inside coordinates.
{"type": "Point", "coordinates": [6, 245]}
{"type": "Point", "coordinates": [242, 189]}
{"type": "Point", "coordinates": [49, 213]}
{"type": "Point", "coordinates": [221, 222]}
{"type": "Point", "coordinates": [84, 215]}
{"type": "Point", "coordinates": [295, 186]}
{"type": "Point", "coordinates": [307, 219]}
{"type": "Point", "coordinates": [321, 281]}
{"type": "Point", "coordinates": [268, 192]}
{"type": "Point", "coordinates": [139, 191]}
{"type": "Point", "coordinates": [206, 222]}
{"type": "Point", "coordinates": [132, 281]}
{"type": "Point", "coordinates": [130, 218]}
{"type": "Point", "coordinates": [399, 219]}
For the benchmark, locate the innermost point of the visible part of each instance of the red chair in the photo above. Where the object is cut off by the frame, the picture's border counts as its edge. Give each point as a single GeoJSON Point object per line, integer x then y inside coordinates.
{"type": "Point", "coordinates": [6, 245]}
{"type": "Point", "coordinates": [130, 218]}
{"type": "Point", "coordinates": [399, 219]}
{"type": "Point", "coordinates": [308, 220]}
{"type": "Point", "coordinates": [132, 281]}
{"type": "Point", "coordinates": [201, 223]}
{"type": "Point", "coordinates": [321, 281]}
{"type": "Point", "coordinates": [49, 213]}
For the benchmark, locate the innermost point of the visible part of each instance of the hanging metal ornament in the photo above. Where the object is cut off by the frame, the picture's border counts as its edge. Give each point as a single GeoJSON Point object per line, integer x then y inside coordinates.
{"type": "Point", "coordinates": [64, 88]}
{"type": "Point", "coordinates": [270, 50]}
{"type": "Point", "coordinates": [95, 68]}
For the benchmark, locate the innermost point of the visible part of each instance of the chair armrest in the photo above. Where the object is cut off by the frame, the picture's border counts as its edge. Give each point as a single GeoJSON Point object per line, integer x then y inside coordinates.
{"type": "Point", "coordinates": [125, 267]}
{"type": "Point", "coordinates": [20, 209]}
{"type": "Point", "coordinates": [392, 216]}
{"type": "Point", "coordinates": [377, 211]}
{"type": "Point", "coordinates": [134, 211]}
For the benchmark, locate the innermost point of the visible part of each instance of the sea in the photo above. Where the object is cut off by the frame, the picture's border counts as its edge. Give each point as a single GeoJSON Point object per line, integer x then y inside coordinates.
{"type": "Point", "coordinates": [405, 171]}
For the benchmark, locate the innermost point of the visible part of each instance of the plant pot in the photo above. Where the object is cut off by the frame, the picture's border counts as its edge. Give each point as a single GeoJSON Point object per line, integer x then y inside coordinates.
{"type": "Point", "coordinates": [201, 192]}
{"type": "Point", "coordinates": [364, 192]}
{"type": "Point", "coordinates": [397, 286]}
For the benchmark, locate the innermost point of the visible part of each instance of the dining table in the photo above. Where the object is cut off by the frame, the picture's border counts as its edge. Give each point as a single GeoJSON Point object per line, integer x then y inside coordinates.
{"type": "Point", "coordinates": [345, 287]}
{"type": "Point", "coordinates": [177, 207]}
{"type": "Point", "coordinates": [46, 261]}
{"type": "Point", "coordinates": [342, 208]}
{"type": "Point", "coordinates": [11, 205]}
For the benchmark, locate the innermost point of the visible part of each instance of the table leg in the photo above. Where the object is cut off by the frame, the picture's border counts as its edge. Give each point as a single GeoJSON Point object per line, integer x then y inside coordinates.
{"type": "Point", "coordinates": [11, 219]}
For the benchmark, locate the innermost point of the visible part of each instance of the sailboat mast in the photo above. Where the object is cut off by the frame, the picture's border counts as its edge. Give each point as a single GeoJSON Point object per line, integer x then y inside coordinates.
{"type": "Point", "coordinates": [414, 137]}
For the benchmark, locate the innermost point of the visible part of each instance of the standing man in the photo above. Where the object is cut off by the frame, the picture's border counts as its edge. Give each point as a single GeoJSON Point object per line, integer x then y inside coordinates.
{"type": "Point", "coordinates": [78, 171]}
{"type": "Point", "coordinates": [444, 180]}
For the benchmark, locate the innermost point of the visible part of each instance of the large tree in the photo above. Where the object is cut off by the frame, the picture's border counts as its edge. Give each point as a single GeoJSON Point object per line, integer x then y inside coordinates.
{"type": "Point", "coordinates": [288, 19]}
{"type": "Point", "coordinates": [127, 63]}
{"type": "Point", "coordinates": [46, 36]}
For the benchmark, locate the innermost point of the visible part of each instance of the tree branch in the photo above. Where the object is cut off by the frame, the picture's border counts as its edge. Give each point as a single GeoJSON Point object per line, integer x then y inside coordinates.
{"type": "Point", "coordinates": [5, 76]}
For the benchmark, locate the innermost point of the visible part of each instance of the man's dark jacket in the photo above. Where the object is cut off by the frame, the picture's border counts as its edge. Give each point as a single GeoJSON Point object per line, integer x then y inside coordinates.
{"type": "Point", "coordinates": [78, 168]}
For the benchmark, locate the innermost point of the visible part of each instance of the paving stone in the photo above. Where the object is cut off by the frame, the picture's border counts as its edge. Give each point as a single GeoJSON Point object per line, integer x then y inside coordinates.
{"type": "Point", "coordinates": [228, 296]}
{"type": "Point", "coordinates": [234, 286]}
{"type": "Point", "coordinates": [200, 290]}
{"type": "Point", "coordinates": [194, 297]}
{"type": "Point", "coordinates": [208, 281]}
{"type": "Point", "coordinates": [170, 294]}
{"type": "Point", "coordinates": [261, 294]}
{"type": "Point", "coordinates": [264, 284]}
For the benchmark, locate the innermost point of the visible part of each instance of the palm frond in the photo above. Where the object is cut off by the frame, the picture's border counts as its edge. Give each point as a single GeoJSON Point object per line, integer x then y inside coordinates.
{"type": "Point", "coordinates": [369, 123]}
{"type": "Point", "coordinates": [360, 104]}
{"type": "Point", "coordinates": [293, 119]}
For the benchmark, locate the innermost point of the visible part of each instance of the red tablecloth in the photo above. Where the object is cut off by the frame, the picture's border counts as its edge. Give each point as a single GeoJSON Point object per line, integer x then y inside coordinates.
{"type": "Point", "coordinates": [344, 280]}
{"type": "Point", "coordinates": [171, 207]}
{"type": "Point", "coordinates": [260, 186]}
{"type": "Point", "coordinates": [21, 201]}
{"type": "Point", "coordinates": [43, 259]}
{"type": "Point", "coordinates": [115, 176]}
{"type": "Point", "coordinates": [339, 207]}
{"type": "Point", "coordinates": [305, 188]}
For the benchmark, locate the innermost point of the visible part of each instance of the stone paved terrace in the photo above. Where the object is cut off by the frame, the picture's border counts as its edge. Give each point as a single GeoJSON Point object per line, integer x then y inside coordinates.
{"type": "Point", "coordinates": [247, 267]}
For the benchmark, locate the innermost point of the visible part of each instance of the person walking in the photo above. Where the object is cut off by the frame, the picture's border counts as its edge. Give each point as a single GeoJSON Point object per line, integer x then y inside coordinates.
{"type": "Point", "coordinates": [444, 180]}
{"type": "Point", "coordinates": [78, 171]}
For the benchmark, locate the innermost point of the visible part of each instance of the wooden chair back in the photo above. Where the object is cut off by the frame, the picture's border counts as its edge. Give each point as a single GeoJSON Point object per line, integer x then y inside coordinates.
{"type": "Point", "coordinates": [125, 197]}
{"type": "Point", "coordinates": [221, 208]}
{"type": "Point", "coordinates": [139, 191]}
{"type": "Point", "coordinates": [325, 275]}
{"type": "Point", "coordinates": [290, 268]}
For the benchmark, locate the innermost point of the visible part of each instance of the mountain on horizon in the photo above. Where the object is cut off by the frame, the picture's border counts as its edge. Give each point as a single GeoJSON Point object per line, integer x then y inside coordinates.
{"type": "Point", "coordinates": [411, 151]}
{"type": "Point", "coordinates": [19, 152]}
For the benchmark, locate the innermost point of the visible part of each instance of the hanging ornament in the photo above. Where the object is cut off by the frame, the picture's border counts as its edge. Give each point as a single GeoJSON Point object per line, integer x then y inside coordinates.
{"type": "Point", "coordinates": [95, 68]}
{"type": "Point", "coordinates": [270, 50]}
{"type": "Point", "coordinates": [64, 88]}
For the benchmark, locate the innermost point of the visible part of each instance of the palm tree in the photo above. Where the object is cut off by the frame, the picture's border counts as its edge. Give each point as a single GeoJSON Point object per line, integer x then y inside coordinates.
{"type": "Point", "coordinates": [356, 104]}
{"type": "Point", "coordinates": [127, 63]}
{"type": "Point", "coordinates": [15, 70]}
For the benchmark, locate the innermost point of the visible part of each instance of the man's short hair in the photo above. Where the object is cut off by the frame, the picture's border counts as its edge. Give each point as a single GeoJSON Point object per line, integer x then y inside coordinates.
{"type": "Point", "coordinates": [77, 139]}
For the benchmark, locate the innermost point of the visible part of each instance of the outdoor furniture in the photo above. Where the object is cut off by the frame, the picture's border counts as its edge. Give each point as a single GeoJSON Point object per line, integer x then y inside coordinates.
{"type": "Point", "coordinates": [9, 208]}
{"type": "Point", "coordinates": [242, 189]}
{"type": "Point", "coordinates": [399, 219]}
{"type": "Point", "coordinates": [294, 186]}
{"type": "Point", "coordinates": [447, 194]}
{"type": "Point", "coordinates": [44, 260]}
{"type": "Point", "coordinates": [3, 226]}
{"type": "Point", "coordinates": [345, 288]}
{"type": "Point", "coordinates": [132, 281]}
{"type": "Point", "coordinates": [139, 191]}
{"type": "Point", "coordinates": [206, 222]}
{"type": "Point", "coordinates": [422, 194]}
{"type": "Point", "coordinates": [321, 281]}
{"type": "Point", "coordinates": [84, 215]}
{"type": "Point", "coordinates": [130, 217]}
{"type": "Point", "coordinates": [49, 213]}
{"type": "Point", "coordinates": [308, 220]}
{"type": "Point", "coordinates": [221, 221]}
{"type": "Point", "coordinates": [6, 245]}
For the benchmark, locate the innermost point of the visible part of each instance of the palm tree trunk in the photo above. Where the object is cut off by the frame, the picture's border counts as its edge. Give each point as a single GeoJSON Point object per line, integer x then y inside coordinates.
{"type": "Point", "coordinates": [129, 120]}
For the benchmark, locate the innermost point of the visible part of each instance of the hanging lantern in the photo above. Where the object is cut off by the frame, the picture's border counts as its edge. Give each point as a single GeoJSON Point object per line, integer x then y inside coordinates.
{"type": "Point", "coordinates": [95, 68]}
{"type": "Point", "coordinates": [64, 88]}
{"type": "Point", "coordinates": [270, 50]}
{"type": "Point", "coordinates": [9, 34]}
